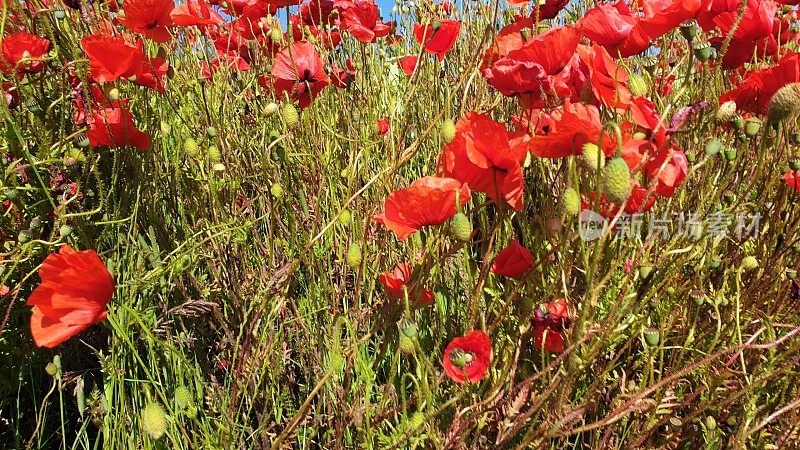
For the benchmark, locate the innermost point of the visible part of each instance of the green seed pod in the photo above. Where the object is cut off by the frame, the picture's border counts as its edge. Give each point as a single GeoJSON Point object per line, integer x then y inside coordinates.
{"type": "Point", "coordinates": [794, 163]}
{"type": "Point", "coordinates": [691, 157]}
{"type": "Point", "coordinates": [714, 264]}
{"type": "Point", "coordinates": [59, 13]}
{"type": "Point", "coordinates": [698, 296]}
{"type": "Point", "coordinates": [190, 147]}
{"type": "Point", "coordinates": [276, 190]}
{"type": "Point", "coordinates": [183, 397]}
{"type": "Point", "coordinates": [616, 181]}
{"type": "Point", "coordinates": [211, 132]}
{"type": "Point", "coordinates": [460, 227]}
{"type": "Point", "coordinates": [344, 217]}
{"type": "Point", "coordinates": [737, 122]}
{"type": "Point", "coordinates": [652, 336]}
{"type": "Point", "coordinates": [291, 117]}
{"type": "Point", "coordinates": [33, 106]}
{"type": "Point", "coordinates": [448, 130]}
{"type": "Point", "coordinates": [65, 231]}
{"type": "Point", "coordinates": [791, 274]}
{"type": "Point", "coordinates": [408, 327]}
{"type": "Point", "coordinates": [571, 202]}
{"type": "Point", "coordinates": [670, 290]}
{"type": "Point", "coordinates": [593, 157]}
{"type": "Point", "coordinates": [81, 141]}
{"type": "Point", "coordinates": [749, 263]}
{"type": "Point", "coordinates": [752, 127]}
{"type": "Point", "coordinates": [354, 256]}
{"type": "Point", "coordinates": [154, 420]}
{"type": "Point", "coordinates": [24, 236]}
{"type": "Point", "coordinates": [214, 155]}
{"type": "Point", "coordinates": [730, 154]}
{"type": "Point", "coordinates": [689, 29]}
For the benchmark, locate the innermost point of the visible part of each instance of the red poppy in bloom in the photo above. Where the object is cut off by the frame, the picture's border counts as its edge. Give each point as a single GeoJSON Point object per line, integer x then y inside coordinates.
{"type": "Point", "coordinates": [396, 283]}
{"type": "Point", "coordinates": [316, 12]}
{"type": "Point", "coordinates": [572, 127]}
{"type": "Point", "coordinates": [196, 13]}
{"type": "Point", "coordinates": [513, 261]}
{"type": "Point", "coordinates": [669, 171]}
{"type": "Point", "coordinates": [756, 90]}
{"type": "Point", "coordinates": [232, 61]}
{"type": "Point", "coordinates": [149, 17]}
{"type": "Point", "coordinates": [73, 294]}
{"type": "Point", "coordinates": [487, 157]}
{"type": "Point", "coordinates": [467, 358]}
{"type": "Point", "coordinates": [663, 16]}
{"type": "Point", "coordinates": [428, 201]}
{"type": "Point", "coordinates": [383, 126]}
{"type": "Point", "coordinates": [341, 78]}
{"type": "Point", "coordinates": [508, 39]}
{"type": "Point", "coordinates": [408, 64]}
{"type": "Point", "coordinates": [549, 321]}
{"type": "Point", "coordinates": [112, 126]}
{"type": "Point", "coordinates": [792, 178]}
{"type": "Point", "coordinates": [299, 72]}
{"type": "Point", "coordinates": [548, 9]}
{"type": "Point", "coordinates": [613, 27]}
{"type": "Point", "coordinates": [608, 81]}
{"type": "Point", "coordinates": [110, 58]}
{"type": "Point", "coordinates": [361, 19]}
{"type": "Point", "coordinates": [438, 41]}
{"type": "Point", "coordinates": [23, 46]}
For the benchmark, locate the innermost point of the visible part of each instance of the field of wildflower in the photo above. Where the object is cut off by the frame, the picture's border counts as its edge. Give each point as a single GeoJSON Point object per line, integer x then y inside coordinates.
{"type": "Point", "coordinates": [471, 224]}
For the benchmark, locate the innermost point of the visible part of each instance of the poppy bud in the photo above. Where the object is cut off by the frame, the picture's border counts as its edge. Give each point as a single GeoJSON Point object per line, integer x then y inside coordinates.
{"type": "Point", "coordinates": [271, 109]}
{"type": "Point", "coordinates": [165, 127]}
{"type": "Point", "coordinates": [710, 423]}
{"type": "Point", "coordinates": [214, 154]}
{"type": "Point", "coordinates": [749, 263]}
{"type": "Point", "coordinates": [571, 202]}
{"type": "Point", "coordinates": [460, 227]}
{"type": "Point", "coordinates": [726, 112]}
{"type": "Point", "coordinates": [652, 336]}
{"type": "Point", "coordinates": [218, 167]}
{"type": "Point", "coordinates": [65, 231]}
{"type": "Point", "coordinates": [51, 369]}
{"type": "Point", "coordinates": [645, 271]}
{"type": "Point", "coordinates": [784, 103]}
{"type": "Point", "coordinates": [211, 132]}
{"type": "Point", "coordinates": [290, 115]}
{"type": "Point", "coordinates": [344, 217]}
{"type": "Point", "coordinates": [637, 84]}
{"type": "Point", "coordinates": [752, 127]}
{"type": "Point", "coordinates": [183, 398]}
{"type": "Point", "coordinates": [354, 256]}
{"type": "Point", "coordinates": [448, 130]}
{"type": "Point", "coordinates": [691, 157]}
{"type": "Point", "coordinates": [616, 181]}
{"type": "Point", "coordinates": [154, 421]}
{"type": "Point", "coordinates": [406, 344]}
{"type": "Point", "coordinates": [276, 190]}
{"type": "Point", "coordinates": [275, 35]}
{"type": "Point", "coordinates": [713, 147]}
{"type": "Point", "coordinates": [190, 147]}
{"type": "Point", "coordinates": [670, 290]}
{"type": "Point", "coordinates": [593, 157]}
{"type": "Point", "coordinates": [113, 94]}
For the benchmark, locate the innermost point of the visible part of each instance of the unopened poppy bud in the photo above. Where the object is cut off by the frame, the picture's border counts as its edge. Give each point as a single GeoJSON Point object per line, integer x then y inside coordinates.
{"type": "Point", "coordinates": [354, 256]}
{"type": "Point", "coordinates": [183, 397]}
{"type": "Point", "coordinates": [165, 127]}
{"type": "Point", "coordinates": [290, 115]}
{"type": "Point", "coordinates": [276, 190]}
{"type": "Point", "coordinates": [448, 130]}
{"type": "Point", "coordinates": [749, 263]}
{"type": "Point", "coordinates": [616, 181]}
{"type": "Point", "coordinates": [571, 202]}
{"type": "Point", "coordinates": [593, 156]}
{"type": "Point", "coordinates": [214, 154]}
{"type": "Point", "coordinates": [218, 167]}
{"type": "Point", "coordinates": [710, 423]}
{"type": "Point", "coordinates": [65, 231]}
{"type": "Point", "coordinates": [460, 227]}
{"type": "Point", "coordinates": [275, 35]}
{"type": "Point", "coordinates": [713, 147]}
{"type": "Point", "coordinates": [211, 132]}
{"type": "Point", "coordinates": [726, 112]}
{"type": "Point", "coordinates": [344, 217]}
{"type": "Point", "coordinates": [652, 336]}
{"type": "Point", "coordinates": [271, 109]}
{"type": "Point", "coordinates": [190, 147]}
{"type": "Point", "coordinates": [406, 344]}
{"type": "Point", "coordinates": [752, 127]}
{"type": "Point", "coordinates": [51, 369]}
{"type": "Point", "coordinates": [113, 94]}
{"type": "Point", "coordinates": [637, 84]}
{"type": "Point", "coordinates": [784, 103]}
{"type": "Point", "coordinates": [154, 421]}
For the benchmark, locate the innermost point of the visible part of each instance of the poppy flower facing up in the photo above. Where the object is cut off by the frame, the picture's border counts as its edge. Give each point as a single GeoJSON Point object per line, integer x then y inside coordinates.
{"type": "Point", "coordinates": [396, 285]}
{"type": "Point", "coordinates": [299, 72]}
{"type": "Point", "coordinates": [196, 13]}
{"type": "Point", "coordinates": [75, 289]}
{"type": "Point", "coordinates": [112, 126]}
{"type": "Point", "coordinates": [549, 321]}
{"type": "Point", "coordinates": [150, 18]}
{"type": "Point", "coordinates": [428, 201]}
{"type": "Point", "coordinates": [513, 261]}
{"type": "Point", "coordinates": [18, 48]}
{"type": "Point", "coordinates": [792, 178]}
{"type": "Point", "coordinates": [361, 19]}
{"type": "Point", "coordinates": [487, 157]}
{"type": "Point", "coordinates": [437, 38]}
{"type": "Point", "coordinates": [467, 358]}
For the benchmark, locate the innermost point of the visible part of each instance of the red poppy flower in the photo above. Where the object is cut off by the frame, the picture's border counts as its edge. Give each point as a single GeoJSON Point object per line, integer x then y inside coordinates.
{"type": "Point", "coordinates": [669, 171]}
{"type": "Point", "coordinates": [756, 90]}
{"type": "Point", "coordinates": [316, 12]}
{"type": "Point", "coordinates": [232, 61]}
{"type": "Point", "coordinates": [438, 41]}
{"type": "Point", "coordinates": [608, 81]}
{"type": "Point", "coordinates": [572, 127]}
{"type": "Point", "coordinates": [341, 78]}
{"type": "Point", "coordinates": [112, 126]}
{"type": "Point", "coordinates": [549, 321]}
{"type": "Point", "coordinates": [383, 126]}
{"type": "Point", "coordinates": [110, 58]}
{"type": "Point", "coordinates": [299, 72]}
{"type": "Point", "coordinates": [508, 39]}
{"type": "Point", "coordinates": [149, 17]}
{"type": "Point", "coordinates": [613, 27]}
{"type": "Point", "coordinates": [73, 294]}
{"type": "Point", "coordinates": [21, 46]}
{"type": "Point", "coordinates": [196, 13]}
{"type": "Point", "coordinates": [663, 16]}
{"type": "Point", "coordinates": [361, 19]}
{"type": "Point", "coordinates": [487, 157]}
{"type": "Point", "coordinates": [467, 358]}
{"type": "Point", "coordinates": [756, 24]}
{"type": "Point", "coordinates": [513, 261]}
{"type": "Point", "coordinates": [792, 178]}
{"type": "Point", "coordinates": [428, 201]}
{"type": "Point", "coordinates": [396, 283]}
{"type": "Point", "coordinates": [408, 64]}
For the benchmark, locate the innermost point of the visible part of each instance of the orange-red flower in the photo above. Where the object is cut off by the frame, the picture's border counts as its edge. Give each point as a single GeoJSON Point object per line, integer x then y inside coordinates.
{"type": "Point", "coordinates": [792, 178]}
{"type": "Point", "coordinates": [18, 48]}
{"type": "Point", "coordinates": [112, 126]}
{"type": "Point", "coordinates": [468, 358]}
{"type": "Point", "coordinates": [196, 13]}
{"type": "Point", "coordinates": [397, 283]}
{"type": "Point", "coordinates": [299, 72]}
{"type": "Point", "coordinates": [438, 41]}
{"type": "Point", "coordinates": [150, 18]}
{"type": "Point", "coordinates": [513, 261]}
{"type": "Point", "coordinates": [361, 19]}
{"type": "Point", "coordinates": [428, 201]}
{"type": "Point", "coordinates": [111, 58]}
{"type": "Point", "coordinates": [383, 126]}
{"type": "Point", "coordinates": [572, 127]}
{"type": "Point", "coordinates": [487, 157]}
{"type": "Point", "coordinates": [549, 321]}
{"type": "Point", "coordinates": [756, 90]}
{"type": "Point", "coordinates": [408, 64]}
{"type": "Point", "coordinates": [73, 294]}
